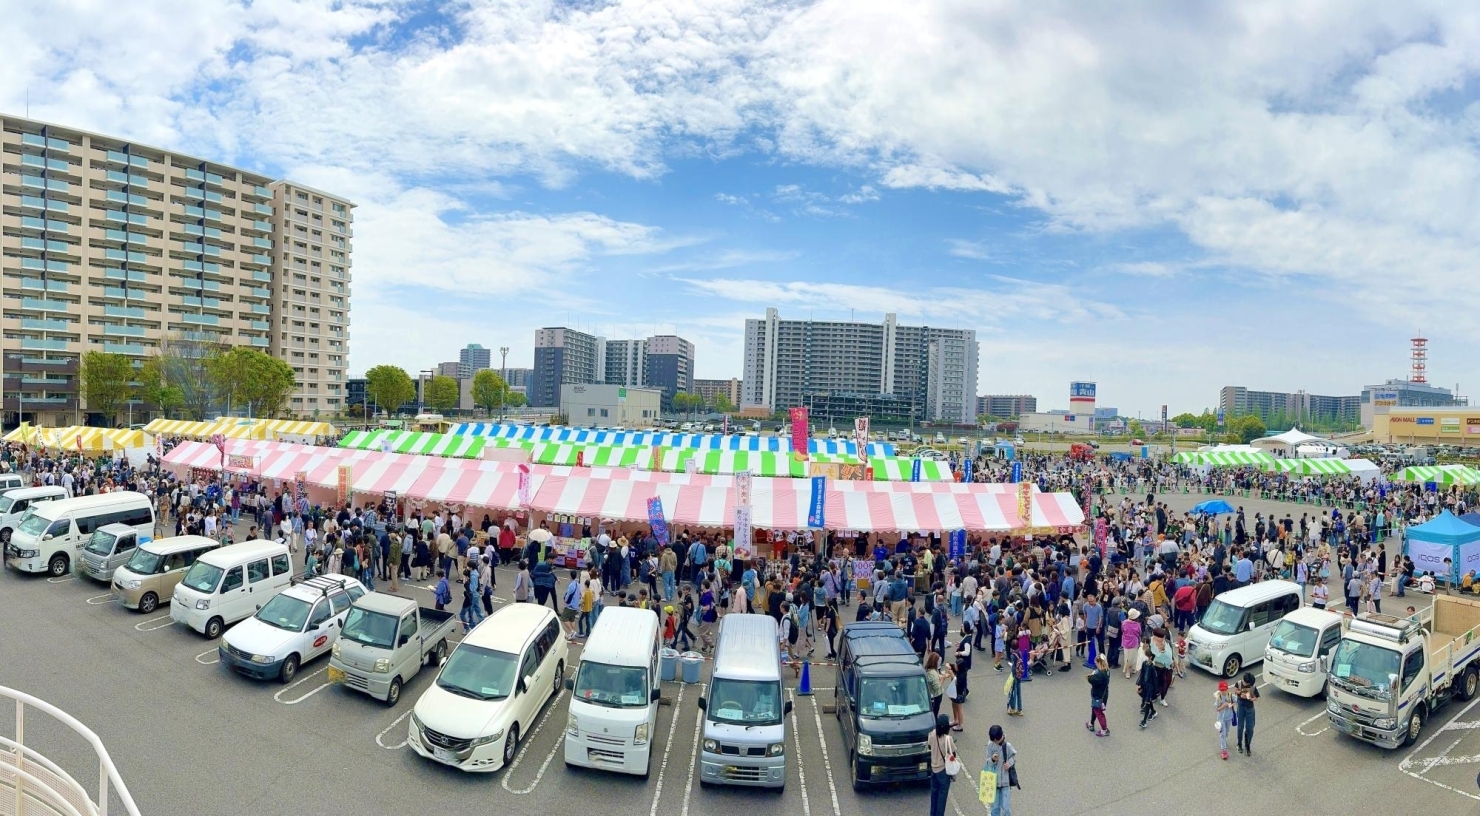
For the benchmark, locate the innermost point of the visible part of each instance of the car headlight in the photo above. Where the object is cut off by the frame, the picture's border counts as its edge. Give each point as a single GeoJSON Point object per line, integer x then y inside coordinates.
{"type": "Point", "coordinates": [264, 659]}
{"type": "Point", "coordinates": [416, 721]}
{"type": "Point", "coordinates": [711, 746]}
{"type": "Point", "coordinates": [28, 553]}
{"type": "Point", "coordinates": [776, 749]}
{"type": "Point", "coordinates": [640, 736]}
{"type": "Point", "coordinates": [1384, 722]}
{"type": "Point", "coordinates": [865, 745]}
{"type": "Point", "coordinates": [1333, 707]}
{"type": "Point", "coordinates": [203, 603]}
{"type": "Point", "coordinates": [383, 665]}
{"type": "Point", "coordinates": [1307, 667]}
{"type": "Point", "coordinates": [132, 584]}
{"type": "Point", "coordinates": [335, 650]}
{"type": "Point", "coordinates": [494, 737]}
{"type": "Point", "coordinates": [573, 725]}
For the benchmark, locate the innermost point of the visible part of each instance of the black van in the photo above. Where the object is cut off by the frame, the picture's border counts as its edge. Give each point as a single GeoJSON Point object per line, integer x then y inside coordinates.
{"type": "Point", "coordinates": [883, 705]}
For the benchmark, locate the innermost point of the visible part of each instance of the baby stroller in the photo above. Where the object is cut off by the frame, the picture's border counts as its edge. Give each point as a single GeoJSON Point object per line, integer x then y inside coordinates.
{"type": "Point", "coordinates": [1039, 661]}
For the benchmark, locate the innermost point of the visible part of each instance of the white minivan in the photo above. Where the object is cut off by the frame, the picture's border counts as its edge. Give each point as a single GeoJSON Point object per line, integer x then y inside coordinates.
{"type": "Point", "coordinates": [1234, 631]}
{"type": "Point", "coordinates": [1296, 658]}
{"type": "Point", "coordinates": [614, 694]}
{"type": "Point", "coordinates": [51, 533]}
{"type": "Point", "coordinates": [15, 503]}
{"type": "Point", "coordinates": [230, 584]}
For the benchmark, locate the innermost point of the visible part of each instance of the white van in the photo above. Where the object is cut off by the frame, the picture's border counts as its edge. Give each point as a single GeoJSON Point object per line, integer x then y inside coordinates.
{"type": "Point", "coordinates": [51, 533]}
{"type": "Point", "coordinates": [11, 481]}
{"type": "Point", "coordinates": [1295, 660]}
{"type": "Point", "coordinates": [15, 503]}
{"type": "Point", "coordinates": [744, 716]}
{"type": "Point", "coordinates": [1236, 628]}
{"type": "Point", "coordinates": [614, 694]}
{"type": "Point", "coordinates": [230, 584]}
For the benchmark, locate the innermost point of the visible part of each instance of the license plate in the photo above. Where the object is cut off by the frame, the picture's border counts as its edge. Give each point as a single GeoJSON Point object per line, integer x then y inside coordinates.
{"type": "Point", "coordinates": [444, 755]}
{"type": "Point", "coordinates": [336, 675]}
{"type": "Point", "coordinates": [1291, 683]}
{"type": "Point", "coordinates": [729, 770]}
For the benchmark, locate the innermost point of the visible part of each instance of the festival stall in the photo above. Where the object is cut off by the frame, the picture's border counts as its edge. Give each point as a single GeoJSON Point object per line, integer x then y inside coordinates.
{"type": "Point", "coordinates": [243, 428]}
{"type": "Point", "coordinates": [425, 444]}
{"type": "Point", "coordinates": [591, 436]}
{"type": "Point", "coordinates": [1443, 539]}
{"type": "Point", "coordinates": [132, 443]}
{"type": "Point", "coordinates": [1215, 457]}
{"type": "Point", "coordinates": [1438, 474]}
{"type": "Point", "coordinates": [1362, 469]}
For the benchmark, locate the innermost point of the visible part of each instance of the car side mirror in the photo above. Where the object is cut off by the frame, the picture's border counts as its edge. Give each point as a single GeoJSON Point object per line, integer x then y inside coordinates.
{"type": "Point", "coordinates": [259, 607]}
{"type": "Point", "coordinates": [1251, 626]}
{"type": "Point", "coordinates": [703, 704]}
{"type": "Point", "coordinates": [786, 709]}
{"type": "Point", "coordinates": [404, 639]}
{"type": "Point", "coordinates": [570, 685]}
{"type": "Point", "coordinates": [46, 537]}
{"type": "Point", "coordinates": [655, 696]}
{"type": "Point", "coordinates": [528, 681]}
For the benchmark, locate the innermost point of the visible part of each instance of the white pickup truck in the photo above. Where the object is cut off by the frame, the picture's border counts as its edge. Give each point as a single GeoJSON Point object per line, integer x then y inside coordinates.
{"type": "Point", "coordinates": [1388, 674]}
{"type": "Point", "coordinates": [385, 641]}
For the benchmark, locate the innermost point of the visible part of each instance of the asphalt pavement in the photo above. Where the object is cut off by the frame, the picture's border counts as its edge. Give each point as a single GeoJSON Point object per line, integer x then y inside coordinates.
{"type": "Point", "coordinates": [190, 737]}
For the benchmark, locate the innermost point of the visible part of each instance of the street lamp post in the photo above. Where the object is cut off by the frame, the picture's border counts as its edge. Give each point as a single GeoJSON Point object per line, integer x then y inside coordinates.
{"type": "Point", "coordinates": [503, 372]}
{"type": "Point", "coordinates": [421, 393]}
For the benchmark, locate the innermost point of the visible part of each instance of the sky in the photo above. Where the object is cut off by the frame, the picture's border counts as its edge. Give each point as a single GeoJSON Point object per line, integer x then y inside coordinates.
{"type": "Point", "coordinates": [1162, 197]}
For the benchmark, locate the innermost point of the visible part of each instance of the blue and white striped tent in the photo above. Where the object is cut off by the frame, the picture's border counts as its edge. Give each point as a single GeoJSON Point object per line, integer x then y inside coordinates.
{"type": "Point", "coordinates": [587, 436]}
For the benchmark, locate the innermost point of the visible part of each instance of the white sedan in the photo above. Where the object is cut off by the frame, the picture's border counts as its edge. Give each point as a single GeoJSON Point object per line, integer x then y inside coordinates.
{"type": "Point", "coordinates": [296, 626]}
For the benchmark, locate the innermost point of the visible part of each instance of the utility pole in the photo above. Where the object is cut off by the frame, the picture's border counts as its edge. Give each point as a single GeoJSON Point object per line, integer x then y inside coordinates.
{"type": "Point", "coordinates": [503, 372]}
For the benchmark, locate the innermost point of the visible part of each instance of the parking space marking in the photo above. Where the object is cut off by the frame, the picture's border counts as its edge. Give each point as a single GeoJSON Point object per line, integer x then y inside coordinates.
{"type": "Point", "coordinates": [667, 748]}
{"type": "Point", "coordinates": [99, 600]}
{"type": "Point", "coordinates": [297, 700]}
{"type": "Point", "coordinates": [1300, 729]}
{"type": "Point", "coordinates": [796, 739]}
{"type": "Point", "coordinates": [1462, 726]}
{"type": "Point", "coordinates": [1443, 758]}
{"type": "Point", "coordinates": [61, 580]}
{"type": "Point", "coordinates": [832, 788]}
{"type": "Point", "coordinates": [509, 771]}
{"type": "Point", "coordinates": [1406, 765]}
{"type": "Point", "coordinates": [215, 657]}
{"type": "Point", "coordinates": [394, 723]}
{"type": "Point", "coordinates": [150, 624]}
{"type": "Point", "coordinates": [688, 787]}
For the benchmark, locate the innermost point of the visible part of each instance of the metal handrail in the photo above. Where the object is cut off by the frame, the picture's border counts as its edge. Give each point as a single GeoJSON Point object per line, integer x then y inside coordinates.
{"type": "Point", "coordinates": [107, 771]}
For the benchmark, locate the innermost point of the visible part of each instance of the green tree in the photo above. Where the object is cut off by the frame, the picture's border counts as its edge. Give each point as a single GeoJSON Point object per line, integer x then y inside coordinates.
{"type": "Point", "coordinates": [442, 394]}
{"type": "Point", "coordinates": [1185, 420]}
{"type": "Point", "coordinates": [687, 403]}
{"type": "Point", "coordinates": [182, 360]}
{"type": "Point", "coordinates": [248, 378]}
{"type": "Point", "coordinates": [106, 382]}
{"type": "Point", "coordinates": [389, 387]}
{"type": "Point", "coordinates": [490, 392]}
{"type": "Point", "coordinates": [152, 388]}
{"type": "Point", "coordinates": [1136, 429]}
{"type": "Point", "coordinates": [722, 403]}
{"type": "Point", "coordinates": [517, 399]}
{"type": "Point", "coordinates": [1247, 428]}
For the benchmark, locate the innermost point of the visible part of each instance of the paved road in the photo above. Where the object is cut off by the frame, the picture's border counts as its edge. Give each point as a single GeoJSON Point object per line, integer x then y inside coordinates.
{"type": "Point", "coordinates": [192, 738]}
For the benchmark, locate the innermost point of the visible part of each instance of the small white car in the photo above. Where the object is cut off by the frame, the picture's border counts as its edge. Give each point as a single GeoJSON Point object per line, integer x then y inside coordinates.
{"type": "Point", "coordinates": [295, 626]}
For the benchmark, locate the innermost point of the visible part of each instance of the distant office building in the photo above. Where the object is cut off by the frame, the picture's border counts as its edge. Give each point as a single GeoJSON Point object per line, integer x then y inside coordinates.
{"type": "Point", "coordinates": [1235, 400]}
{"type": "Point", "coordinates": [626, 362]}
{"type": "Point", "coordinates": [472, 359]}
{"type": "Point", "coordinates": [1006, 405]}
{"type": "Point", "coordinates": [518, 377]}
{"type": "Point", "coordinates": [788, 361]}
{"type": "Point", "coordinates": [709, 389]}
{"type": "Point", "coordinates": [669, 365]}
{"type": "Point", "coordinates": [450, 369]}
{"type": "Point", "coordinates": [564, 356]}
{"type": "Point", "coordinates": [1105, 412]}
{"type": "Point", "coordinates": [610, 405]}
{"type": "Point", "coordinates": [1376, 400]}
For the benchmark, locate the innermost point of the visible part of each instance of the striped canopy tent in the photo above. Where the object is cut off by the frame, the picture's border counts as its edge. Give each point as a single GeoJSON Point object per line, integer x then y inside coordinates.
{"type": "Point", "coordinates": [180, 427]}
{"type": "Point", "coordinates": [426, 444]}
{"type": "Point", "coordinates": [759, 463]}
{"type": "Point", "coordinates": [297, 430]}
{"type": "Point", "coordinates": [82, 437]}
{"type": "Point", "coordinates": [237, 428]}
{"type": "Point", "coordinates": [899, 469]}
{"type": "Point", "coordinates": [1216, 458]}
{"type": "Point", "coordinates": [1311, 467]}
{"type": "Point", "coordinates": [560, 453]}
{"type": "Point", "coordinates": [1439, 474]}
{"type": "Point", "coordinates": [664, 439]}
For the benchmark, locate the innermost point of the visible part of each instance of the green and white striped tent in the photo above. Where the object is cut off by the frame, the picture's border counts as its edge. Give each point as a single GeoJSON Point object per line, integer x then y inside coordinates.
{"type": "Point", "coordinates": [1311, 467]}
{"type": "Point", "coordinates": [724, 462]}
{"type": "Point", "coordinates": [1441, 474]}
{"type": "Point", "coordinates": [898, 469]}
{"type": "Point", "coordinates": [428, 444]}
{"type": "Point", "coordinates": [1217, 458]}
{"type": "Point", "coordinates": [564, 453]}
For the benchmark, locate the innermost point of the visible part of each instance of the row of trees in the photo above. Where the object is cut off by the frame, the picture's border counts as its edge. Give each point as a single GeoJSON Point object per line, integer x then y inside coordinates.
{"type": "Point", "coordinates": [390, 387]}
{"type": "Point", "coordinates": [188, 378]}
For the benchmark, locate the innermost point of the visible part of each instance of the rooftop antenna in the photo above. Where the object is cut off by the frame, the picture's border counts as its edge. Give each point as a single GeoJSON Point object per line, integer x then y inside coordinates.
{"type": "Point", "coordinates": [1419, 359]}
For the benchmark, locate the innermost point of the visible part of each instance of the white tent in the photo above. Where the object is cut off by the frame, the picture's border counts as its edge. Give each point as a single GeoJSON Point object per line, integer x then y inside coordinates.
{"type": "Point", "coordinates": [1287, 442]}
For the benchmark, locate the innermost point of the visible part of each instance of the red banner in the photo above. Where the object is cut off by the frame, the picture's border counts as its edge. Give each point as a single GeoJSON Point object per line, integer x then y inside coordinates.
{"type": "Point", "coordinates": [800, 436]}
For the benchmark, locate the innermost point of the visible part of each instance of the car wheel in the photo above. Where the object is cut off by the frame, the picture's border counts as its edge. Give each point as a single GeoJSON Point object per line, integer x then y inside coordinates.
{"type": "Point", "coordinates": [213, 628]}
{"type": "Point", "coordinates": [1469, 684]}
{"type": "Point", "coordinates": [853, 771]}
{"type": "Point", "coordinates": [1232, 665]}
{"type": "Point", "coordinates": [438, 654]}
{"type": "Point", "coordinates": [1415, 727]}
{"type": "Point", "coordinates": [393, 694]}
{"type": "Point", "coordinates": [148, 603]}
{"type": "Point", "coordinates": [58, 565]}
{"type": "Point", "coordinates": [289, 670]}
{"type": "Point", "coordinates": [5, 536]}
{"type": "Point", "coordinates": [559, 680]}
{"type": "Point", "coordinates": [648, 770]}
{"type": "Point", "coordinates": [511, 745]}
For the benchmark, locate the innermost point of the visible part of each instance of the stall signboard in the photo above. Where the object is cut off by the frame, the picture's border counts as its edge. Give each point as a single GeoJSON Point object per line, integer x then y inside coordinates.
{"type": "Point", "coordinates": [851, 473]}
{"type": "Point", "coordinates": [742, 514]}
{"type": "Point", "coordinates": [860, 438]}
{"type": "Point", "coordinates": [1025, 503]}
{"type": "Point", "coordinates": [524, 492]}
{"type": "Point", "coordinates": [657, 521]}
{"type": "Point", "coordinates": [958, 545]}
{"type": "Point", "coordinates": [240, 461]}
{"type": "Point", "coordinates": [346, 480]}
{"type": "Point", "coordinates": [915, 468]}
{"type": "Point", "coordinates": [799, 433]}
{"type": "Point", "coordinates": [1017, 471]}
{"type": "Point", "coordinates": [966, 473]}
{"type": "Point", "coordinates": [863, 571]}
{"type": "Point", "coordinates": [300, 485]}
{"type": "Point", "coordinates": [817, 506]}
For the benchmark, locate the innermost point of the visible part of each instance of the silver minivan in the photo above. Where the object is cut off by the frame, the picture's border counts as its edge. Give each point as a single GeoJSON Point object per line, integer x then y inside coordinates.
{"type": "Point", "coordinates": [744, 714]}
{"type": "Point", "coordinates": [15, 503]}
{"type": "Point", "coordinates": [110, 547]}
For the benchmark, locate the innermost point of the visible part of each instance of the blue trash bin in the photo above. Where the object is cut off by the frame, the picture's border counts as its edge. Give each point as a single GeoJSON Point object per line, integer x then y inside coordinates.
{"type": "Point", "coordinates": [668, 660]}
{"type": "Point", "coordinates": [691, 662]}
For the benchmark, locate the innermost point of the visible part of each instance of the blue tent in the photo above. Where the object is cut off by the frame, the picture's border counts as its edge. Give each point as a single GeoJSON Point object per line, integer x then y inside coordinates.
{"type": "Point", "coordinates": [1444, 537]}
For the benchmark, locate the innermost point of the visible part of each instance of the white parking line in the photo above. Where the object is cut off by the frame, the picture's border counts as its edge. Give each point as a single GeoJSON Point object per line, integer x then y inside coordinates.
{"type": "Point", "coordinates": [215, 657]}
{"type": "Point", "coordinates": [99, 600]}
{"type": "Point", "coordinates": [796, 739]}
{"type": "Point", "coordinates": [1443, 758]}
{"type": "Point", "coordinates": [394, 723]}
{"type": "Point", "coordinates": [688, 787]}
{"type": "Point", "coordinates": [297, 700]}
{"type": "Point", "coordinates": [1300, 729]}
{"type": "Point", "coordinates": [1462, 726]}
{"type": "Point", "coordinates": [61, 580]}
{"type": "Point", "coordinates": [529, 740]}
{"type": "Point", "coordinates": [826, 763]}
{"type": "Point", "coordinates": [1407, 763]}
{"type": "Point", "coordinates": [667, 748]}
{"type": "Point", "coordinates": [150, 624]}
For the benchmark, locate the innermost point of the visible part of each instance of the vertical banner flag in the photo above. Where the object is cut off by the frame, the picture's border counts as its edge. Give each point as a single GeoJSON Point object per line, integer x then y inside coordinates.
{"type": "Point", "coordinates": [915, 467]}
{"type": "Point", "coordinates": [345, 481]}
{"type": "Point", "coordinates": [817, 506]}
{"type": "Point", "coordinates": [742, 514]}
{"type": "Point", "coordinates": [1025, 503]}
{"type": "Point", "coordinates": [958, 545]}
{"type": "Point", "coordinates": [860, 438]}
{"type": "Point", "coordinates": [726, 428]}
{"type": "Point", "coordinates": [799, 433]}
{"type": "Point", "coordinates": [657, 521]}
{"type": "Point", "coordinates": [220, 442]}
{"type": "Point", "coordinates": [300, 486]}
{"type": "Point", "coordinates": [524, 485]}
{"type": "Point", "coordinates": [79, 443]}
{"type": "Point", "coordinates": [580, 458]}
{"type": "Point", "coordinates": [1220, 417]}
{"type": "Point", "coordinates": [1102, 535]}
{"type": "Point", "coordinates": [691, 465]}
{"type": "Point", "coordinates": [1017, 471]}
{"type": "Point", "coordinates": [966, 469]}
{"type": "Point", "coordinates": [657, 462]}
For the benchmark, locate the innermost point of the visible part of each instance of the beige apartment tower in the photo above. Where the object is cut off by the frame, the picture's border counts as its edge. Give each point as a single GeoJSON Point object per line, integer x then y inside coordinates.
{"type": "Point", "coordinates": [113, 246]}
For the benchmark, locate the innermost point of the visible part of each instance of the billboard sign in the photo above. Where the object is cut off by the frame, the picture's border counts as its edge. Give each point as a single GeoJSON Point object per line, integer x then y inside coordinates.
{"type": "Point", "coordinates": [1424, 420]}
{"type": "Point", "coordinates": [1081, 390]}
{"type": "Point", "coordinates": [1386, 399]}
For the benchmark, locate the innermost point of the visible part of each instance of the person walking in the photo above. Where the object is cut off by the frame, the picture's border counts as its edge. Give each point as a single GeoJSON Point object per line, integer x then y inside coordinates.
{"type": "Point", "coordinates": [942, 753]}
{"type": "Point", "coordinates": [470, 614]}
{"type": "Point", "coordinates": [1099, 693]}
{"type": "Point", "coordinates": [1223, 706]}
{"type": "Point", "coordinates": [934, 681]}
{"type": "Point", "coordinates": [1130, 641]}
{"type": "Point", "coordinates": [1148, 685]}
{"type": "Point", "coordinates": [1246, 693]}
{"type": "Point", "coordinates": [1001, 760]}
{"type": "Point", "coordinates": [1018, 669]}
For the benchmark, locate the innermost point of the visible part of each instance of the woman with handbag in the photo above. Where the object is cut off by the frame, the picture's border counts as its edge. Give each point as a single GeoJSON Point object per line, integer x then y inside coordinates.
{"type": "Point", "coordinates": [944, 765]}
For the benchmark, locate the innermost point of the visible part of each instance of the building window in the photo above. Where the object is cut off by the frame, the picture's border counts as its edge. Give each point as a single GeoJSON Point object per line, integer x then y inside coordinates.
{"type": "Point", "coordinates": [603, 412]}
{"type": "Point", "coordinates": [590, 412]}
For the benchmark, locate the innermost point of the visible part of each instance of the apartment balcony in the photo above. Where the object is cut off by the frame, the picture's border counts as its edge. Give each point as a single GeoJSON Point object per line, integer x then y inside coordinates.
{"type": "Point", "coordinates": [38, 344]}
{"type": "Point", "coordinates": [127, 158]}
{"type": "Point", "coordinates": [131, 275]}
{"type": "Point", "coordinates": [201, 319]}
{"type": "Point", "coordinates": [207, 285]}
{"type": "Point", "coordinates": [110, 310]}
{"type": "Point", "coordinates": [132, 349]}
{"type": "Point", "coordinates": [44, 305]}
{"type": "Point", "coordinates": [40, 324]}
{"type": "Point", "coordinates": [120, 197]}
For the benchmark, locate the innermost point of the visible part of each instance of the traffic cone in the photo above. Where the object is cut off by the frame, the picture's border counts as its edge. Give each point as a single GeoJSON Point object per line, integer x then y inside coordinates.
{"type": "Point", "coordinates": [1089, 662]}
{"type": "Point", "coordinates": [805, 687]}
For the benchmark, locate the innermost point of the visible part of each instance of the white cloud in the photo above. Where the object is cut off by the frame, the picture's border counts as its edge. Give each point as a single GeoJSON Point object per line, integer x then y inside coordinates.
{"type": "Point", "coordinates": [975, 250]}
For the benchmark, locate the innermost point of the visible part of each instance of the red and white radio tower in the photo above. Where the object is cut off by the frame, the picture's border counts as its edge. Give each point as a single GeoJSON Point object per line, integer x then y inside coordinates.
{"type": "Point", "coordinates": [1419, 358]}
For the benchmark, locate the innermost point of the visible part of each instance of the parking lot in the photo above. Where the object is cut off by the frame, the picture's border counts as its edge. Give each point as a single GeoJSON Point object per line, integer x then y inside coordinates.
{"type": "Point", "coordinates": [189, 736]}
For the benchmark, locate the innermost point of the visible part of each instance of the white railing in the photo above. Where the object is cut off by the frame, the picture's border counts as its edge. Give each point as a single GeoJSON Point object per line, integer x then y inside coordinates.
{"type": "Point", "coordinates": [32, 784]}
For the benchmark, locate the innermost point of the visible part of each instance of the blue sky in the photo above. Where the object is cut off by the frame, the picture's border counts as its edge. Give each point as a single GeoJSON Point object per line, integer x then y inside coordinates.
{"type": "Point", "coordinates": [1160, 197]}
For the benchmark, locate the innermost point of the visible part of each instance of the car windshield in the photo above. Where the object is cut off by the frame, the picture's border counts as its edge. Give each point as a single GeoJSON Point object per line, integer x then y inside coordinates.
{"type": "Point", "coordinates": [34, 524]}
{"type": "Point", "coordinates": [6, 502]}
{"type": "Point", "coordinates": [144, 562]}
{"type": "Point", "coordinates": [370, 628]}
{"type": "Point", "coordinates": [203, 577]}
{"type": "Point", "coordinates": [285, 612]}
{"type": "Point", "coordinates": [1363, 666]}
{"type": "Point", "coordinates": [479, 673]}
{"type": "Point", "coordinates": [612, 686]}
{"type": "Point", "coordinates": [1223, 618]}
{"type": "Point", "coordinates": [101, 543]}
{"type": "Point", "coordinates": [893, 696]}
{"type": "Point", "coordinates": [1294, 638]}
{"type": "Point", "coordinates": [745, 702]}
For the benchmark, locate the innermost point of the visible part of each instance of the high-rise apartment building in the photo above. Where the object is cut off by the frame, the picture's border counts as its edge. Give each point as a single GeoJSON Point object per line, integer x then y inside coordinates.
{"type": "Point", "coordinates": [1006, 405]}
{"type": "Point", "coordinates": [709, 389]}
{"type": "Point", "coordinates": [564, 356]}
{"type": "Point", "coordinates": [626, 363]}
{"type": "Point", "coordinates": [786, 361]}
{"type": "Point", "coordinates": [1235, 400]}
{"type": "Point", "coordinates": [114, 246]}
{"type": "Point", "coordinates": [518, 377]}
{"type": "Point", "coordinates": [472, 359]}
{"type": "Point", "coordinates": [669, 366]}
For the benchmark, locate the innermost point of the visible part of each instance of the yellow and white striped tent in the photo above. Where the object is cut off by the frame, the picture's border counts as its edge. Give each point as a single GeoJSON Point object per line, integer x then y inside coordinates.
{"type": "Point", "coordinates": [83, 437]}
{"type": "Point", "coordinates": [243, 428]}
